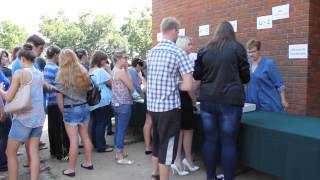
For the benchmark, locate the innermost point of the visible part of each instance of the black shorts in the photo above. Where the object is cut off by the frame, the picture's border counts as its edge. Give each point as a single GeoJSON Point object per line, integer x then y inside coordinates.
{"type": "Point", "coordinates": [166, 128]}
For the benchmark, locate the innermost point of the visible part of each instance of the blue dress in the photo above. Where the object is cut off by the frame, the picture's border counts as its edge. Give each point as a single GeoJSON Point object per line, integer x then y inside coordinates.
{"type": "Point", "coordinates": [265, 86]}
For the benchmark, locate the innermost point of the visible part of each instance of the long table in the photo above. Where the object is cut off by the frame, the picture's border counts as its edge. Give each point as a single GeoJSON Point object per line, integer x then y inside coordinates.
{"type": "Point", "coordinates": [280, 144]}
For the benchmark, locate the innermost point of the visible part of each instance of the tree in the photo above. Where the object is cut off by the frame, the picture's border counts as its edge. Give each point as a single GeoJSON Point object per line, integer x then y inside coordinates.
{"type": "Point", "coordinates": [113, 41]}
{"type": "Point", "coordinates": [60, 31]}
{"type": "Point", "coordinates": [88, 32]}
{"type": "Point", "coordinates": [137, 29]}
{"type": "Point", "coordinates": [11, 35]}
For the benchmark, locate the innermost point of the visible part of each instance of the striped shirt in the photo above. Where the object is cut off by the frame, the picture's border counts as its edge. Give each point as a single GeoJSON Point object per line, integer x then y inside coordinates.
{"type": "Point", "coordinates": [50, 72]}
{"type": "Point", "coordinates": [166, 64]}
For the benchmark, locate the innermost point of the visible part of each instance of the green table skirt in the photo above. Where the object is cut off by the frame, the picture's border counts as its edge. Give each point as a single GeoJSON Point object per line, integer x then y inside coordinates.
{"type": "Point", "coordinates": [283, 145]}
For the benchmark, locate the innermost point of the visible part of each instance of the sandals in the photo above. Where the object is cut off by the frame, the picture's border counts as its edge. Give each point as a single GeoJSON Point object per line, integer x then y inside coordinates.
{"type": "Point", "coordinates": [87, 167]}
{"type": "Point", "coordinates": [148, 152]}
{"type": "Point", "coordinates": [155, 176]}
{"type": "Point", "coordinates": [124, 161]}
{"type": "Point", "coordinates": [26, 165]}
{"type": "Point", "coordinates": [108, 149]}
{"type": "Point", "coordinates": [70, 174]}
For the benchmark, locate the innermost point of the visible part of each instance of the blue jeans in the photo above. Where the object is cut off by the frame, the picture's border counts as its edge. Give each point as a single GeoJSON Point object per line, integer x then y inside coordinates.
{"type": "Point", "coordinates": [221, 124]}
{"type": "Point", "coordinates": [109, 122]}
{"type": "Point", "coordinates": [100, 118]}
{"type": "Point", "coordinates": [122, 115]}
{"type": "Point", "coordinates": [4, 131]}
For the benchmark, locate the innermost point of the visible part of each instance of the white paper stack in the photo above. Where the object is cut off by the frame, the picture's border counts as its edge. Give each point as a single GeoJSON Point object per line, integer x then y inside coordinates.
{"type": "Point", "coordinates": [249, 107]}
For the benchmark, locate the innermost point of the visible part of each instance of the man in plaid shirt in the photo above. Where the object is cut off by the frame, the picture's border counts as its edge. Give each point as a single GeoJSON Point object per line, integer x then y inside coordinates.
{"type": "Point", "coordinates": [169, 69]}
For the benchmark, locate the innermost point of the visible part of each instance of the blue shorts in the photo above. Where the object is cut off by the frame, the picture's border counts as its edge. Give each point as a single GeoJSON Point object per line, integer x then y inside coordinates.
{"type": "Point", "coordinates": [22, 133]}
{"type": "Point", "coordinates": [74, 116]}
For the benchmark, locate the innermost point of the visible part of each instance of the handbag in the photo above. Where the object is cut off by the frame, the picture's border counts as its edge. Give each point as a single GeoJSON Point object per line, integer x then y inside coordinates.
{"type": "Point", "coordinates": [22, 99]}
{"type": "Point", "coordinates": [94, 93]}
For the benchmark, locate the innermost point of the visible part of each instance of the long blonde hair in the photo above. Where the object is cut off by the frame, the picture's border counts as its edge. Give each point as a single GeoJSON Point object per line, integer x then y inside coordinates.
{"type": "Point", "coordinates": [72, 74]}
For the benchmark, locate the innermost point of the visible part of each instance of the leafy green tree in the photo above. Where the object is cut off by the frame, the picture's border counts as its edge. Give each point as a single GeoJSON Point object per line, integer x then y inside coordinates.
{"type": "Point", "coordinates": [137, 29]}
{"type": "Point", "coordinates": [88, 32]}
{"type": "Point", "coordinates": [60, 31]}
{"type": "Point", "coordinates": [11, 35]}
{"type": "Point", "coordinates": [114, 41]}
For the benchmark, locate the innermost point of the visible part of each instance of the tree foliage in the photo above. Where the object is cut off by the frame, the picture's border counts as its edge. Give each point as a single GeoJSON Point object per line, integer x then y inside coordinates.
{"type": "Point", "coordinates": [99, 32]}
{"type": "Point", "coordinates": [88, 31]}
{"type": "Point", "coordinates": [137, 29]}
{"type": "Point", "coordinates": [11, 35]}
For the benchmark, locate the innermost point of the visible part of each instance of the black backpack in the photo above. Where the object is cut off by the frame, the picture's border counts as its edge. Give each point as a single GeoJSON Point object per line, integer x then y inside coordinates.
{"type": "Point", "coordinates": [93, 94]}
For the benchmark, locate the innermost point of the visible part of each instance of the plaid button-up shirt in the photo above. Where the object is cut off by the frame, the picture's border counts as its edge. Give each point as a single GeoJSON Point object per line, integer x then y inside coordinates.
{"type": "Point", "coordinates": [166, 64]}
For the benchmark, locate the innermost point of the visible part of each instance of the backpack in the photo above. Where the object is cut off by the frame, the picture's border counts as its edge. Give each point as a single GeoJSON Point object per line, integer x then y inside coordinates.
{"type": "Point", "coordinates": [93, 94]}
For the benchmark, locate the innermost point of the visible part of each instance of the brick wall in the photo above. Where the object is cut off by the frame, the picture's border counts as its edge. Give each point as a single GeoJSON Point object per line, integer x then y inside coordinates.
{"type": "Point", "coordinates": [298, 29]}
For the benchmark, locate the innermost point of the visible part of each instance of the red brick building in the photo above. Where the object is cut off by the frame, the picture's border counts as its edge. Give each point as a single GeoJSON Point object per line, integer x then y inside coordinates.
{"type": "Point", "coordinates": [302, 76]}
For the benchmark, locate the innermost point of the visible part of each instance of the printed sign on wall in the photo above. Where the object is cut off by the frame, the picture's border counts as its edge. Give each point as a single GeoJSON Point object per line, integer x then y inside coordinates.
{"type": "Point", "coordinates": [204, 30]}
{"type": "Point", "coordinates": [182, 32]}
{"type": "Point", "coordinates": [159, 37]}
{"type": "Point", "coordinates": [264, 22]}
{"type": "Point", "coordinates": [234, 25]}
{"type": "Point", "coordinates": [298, 51]}
{"type": "Point", "coordinates": [281, 12]}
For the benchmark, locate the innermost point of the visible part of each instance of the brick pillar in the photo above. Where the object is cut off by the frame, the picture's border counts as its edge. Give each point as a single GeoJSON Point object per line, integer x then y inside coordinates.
{"type": "Point", "coordinates": [313, 95]}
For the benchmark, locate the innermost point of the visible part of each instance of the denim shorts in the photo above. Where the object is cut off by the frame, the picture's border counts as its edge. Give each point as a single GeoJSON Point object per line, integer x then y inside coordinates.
{"type": "Point", "coordinates": [22, 133]}
{"type": "Point", "coordinates": [74, 116]}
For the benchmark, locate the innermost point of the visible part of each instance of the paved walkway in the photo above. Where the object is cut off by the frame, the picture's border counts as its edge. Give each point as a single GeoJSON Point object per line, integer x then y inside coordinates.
{"type": "Point", "coordinates": [107, 169]}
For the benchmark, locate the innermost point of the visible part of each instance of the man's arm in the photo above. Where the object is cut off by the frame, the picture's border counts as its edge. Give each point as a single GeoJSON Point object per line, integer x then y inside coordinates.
{"type": "Point", "coordinates": [186, 83]}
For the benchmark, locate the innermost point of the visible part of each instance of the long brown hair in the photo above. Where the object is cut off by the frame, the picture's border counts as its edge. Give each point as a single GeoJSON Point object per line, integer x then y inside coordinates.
{"type": "Point", "coordinates": [223, 35]}
{"type": "Point", "coordinates": [72, 74]}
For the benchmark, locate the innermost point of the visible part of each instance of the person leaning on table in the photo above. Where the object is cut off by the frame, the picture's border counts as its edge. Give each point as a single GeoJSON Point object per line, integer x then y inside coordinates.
{"type": "Point", "coordinates": [266, 88]}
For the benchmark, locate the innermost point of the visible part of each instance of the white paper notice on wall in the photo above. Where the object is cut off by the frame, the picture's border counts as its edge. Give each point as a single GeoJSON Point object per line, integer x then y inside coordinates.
{"type": "Point", "coordinates": [234, 25]}
{"type": "Point", "coordinates": [159, 36]}
{"type": "Point", "coordinates": [298, 51]}
{"type": "Point", "coordinates": [182, 32]}
{"type": "Point", "coordinates": [204, 30]}
{"type": "Point", "coordinates": [264, 22]}
{"type": "Point", "coordinates": [281, 12]}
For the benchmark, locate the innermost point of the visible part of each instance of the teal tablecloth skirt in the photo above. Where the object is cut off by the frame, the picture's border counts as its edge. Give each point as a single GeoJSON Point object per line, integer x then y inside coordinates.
{"type": "Point", "coordinates": [283, 145]}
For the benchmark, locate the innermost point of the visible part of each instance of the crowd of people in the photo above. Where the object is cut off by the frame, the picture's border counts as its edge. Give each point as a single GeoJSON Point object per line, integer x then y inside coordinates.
{"type": "Point", "coordinates": [222, 78]}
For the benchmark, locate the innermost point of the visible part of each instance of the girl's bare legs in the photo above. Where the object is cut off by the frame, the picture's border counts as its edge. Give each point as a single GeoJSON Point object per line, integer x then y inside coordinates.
{"type": "Point", "coordinates": [147, 132]}
{"type": "Point", "coordinates": [178, 160]}
{"type": "Point", "coordinates": [34, 161]}
{"type": "Point", "coordinates": [13, 165]}
{"type": "Point", "coordinates": [83, 131]}
{"type": "Point", "coordinates": [187, 145]}
{"type": "Point", "coordinates": [72, 132]}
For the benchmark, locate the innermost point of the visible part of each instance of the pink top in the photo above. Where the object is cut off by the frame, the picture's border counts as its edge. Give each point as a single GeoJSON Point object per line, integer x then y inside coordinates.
{"type": "Point", "coordinates": [120, 93]}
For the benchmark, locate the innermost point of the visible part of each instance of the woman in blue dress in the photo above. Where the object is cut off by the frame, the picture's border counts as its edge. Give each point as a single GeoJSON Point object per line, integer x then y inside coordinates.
{"type": "Point", "coordinates": [266, 88]}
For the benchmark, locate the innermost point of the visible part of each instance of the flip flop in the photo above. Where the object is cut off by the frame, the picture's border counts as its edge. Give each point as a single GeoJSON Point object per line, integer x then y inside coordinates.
{"type": "Point", "coordinates": [155, 176]}
{"type": "Point", "coordinates": [71, 174]}
{"type": "Point", "coordinates": [109, 149]}
{"type": "Point", "coordinates": [125, 161]}
{"type": "Point", "coordinates": [87, 167]}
